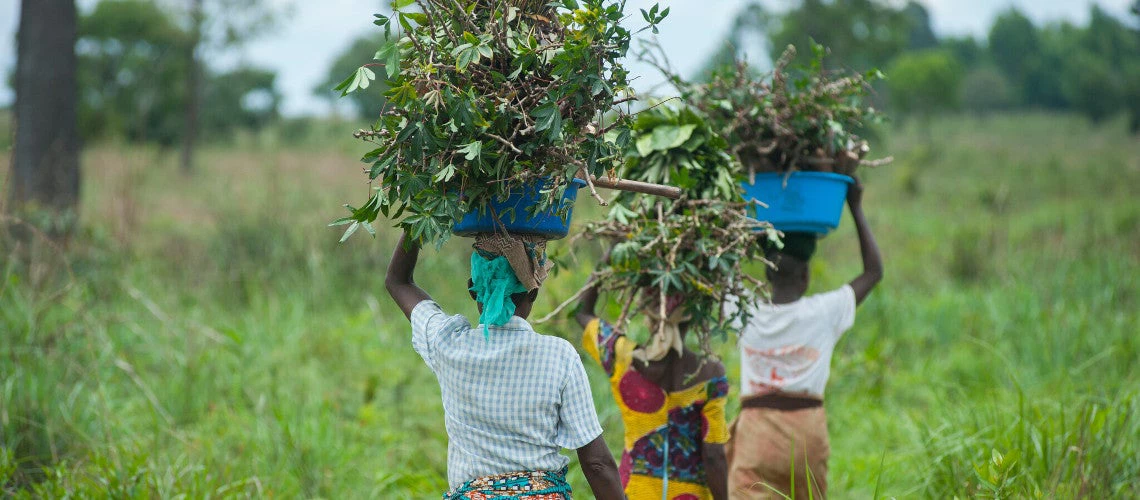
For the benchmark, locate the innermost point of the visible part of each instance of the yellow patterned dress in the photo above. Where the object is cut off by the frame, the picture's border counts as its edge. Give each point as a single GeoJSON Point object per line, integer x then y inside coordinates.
{"type": "Point", "coordinates": [664, 432]}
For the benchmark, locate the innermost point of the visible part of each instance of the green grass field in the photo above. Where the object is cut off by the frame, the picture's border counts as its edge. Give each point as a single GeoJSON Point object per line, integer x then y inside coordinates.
{"type": "Point", "coordinates": [207, 336]}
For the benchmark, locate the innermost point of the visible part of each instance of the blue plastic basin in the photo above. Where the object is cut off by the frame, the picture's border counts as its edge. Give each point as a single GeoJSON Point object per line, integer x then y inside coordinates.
{"type": "Point", "coordinates": [547, 224]}
{"type": "Point", "coordinates": [811, 202]}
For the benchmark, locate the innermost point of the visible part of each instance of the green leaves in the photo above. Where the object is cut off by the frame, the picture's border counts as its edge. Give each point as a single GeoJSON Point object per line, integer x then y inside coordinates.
{"type": "Point", "coordinates": [471, 150]}
{"type": "Point", "coordinates": [678, 147]}
{"type": "Point", "coordinates": [653, 17]}
{"type": "Point", "coordinates": [472, 51]}
{"type": "Point", "coordinates": [480, 99]}
{"type": "Point", "coordinates": [548, 118]}
{"type": "Point", "coordinates": [390, 55]}
{"type": "Point", "coordinates": [358, 80]}
{"type": "Point", "coordinates": [802, 117]}
{"type": "Point", "coordinates": [664, 138]}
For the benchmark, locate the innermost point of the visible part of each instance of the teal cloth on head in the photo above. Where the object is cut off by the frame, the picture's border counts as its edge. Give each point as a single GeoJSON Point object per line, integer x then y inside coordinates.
{"type": "Point", "coordinates": [493, 282]}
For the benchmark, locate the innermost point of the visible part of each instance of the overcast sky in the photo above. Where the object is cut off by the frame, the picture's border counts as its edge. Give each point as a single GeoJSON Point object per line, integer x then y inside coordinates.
{"type": "Point", "coordinates": [301, 49]}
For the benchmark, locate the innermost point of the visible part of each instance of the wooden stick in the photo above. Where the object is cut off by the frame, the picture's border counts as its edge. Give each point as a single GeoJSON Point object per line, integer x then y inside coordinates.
{"type": "Point", "coordinates": [671, 192]}
{"type": "Point", "coordinates": [590, 183]}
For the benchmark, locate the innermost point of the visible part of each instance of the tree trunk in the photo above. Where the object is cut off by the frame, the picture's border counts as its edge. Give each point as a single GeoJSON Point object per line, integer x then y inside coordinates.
{"type": "Point", "coordinates": [193, 87]}
{"type": "Point", "coordinates": [45, 166]}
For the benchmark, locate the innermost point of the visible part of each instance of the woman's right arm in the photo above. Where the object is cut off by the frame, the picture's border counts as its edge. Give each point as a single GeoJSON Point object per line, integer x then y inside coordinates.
{"type": "Point", "coordinates": [399, 282]}
{"type": "Point", "coordinates": [600, 470]}
{"type": "Point", "coordinates": [872, 260]}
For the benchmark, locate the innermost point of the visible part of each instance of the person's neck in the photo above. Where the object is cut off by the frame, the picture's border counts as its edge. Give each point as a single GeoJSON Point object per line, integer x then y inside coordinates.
{"type": "Point", "coordinates": [786, 294]}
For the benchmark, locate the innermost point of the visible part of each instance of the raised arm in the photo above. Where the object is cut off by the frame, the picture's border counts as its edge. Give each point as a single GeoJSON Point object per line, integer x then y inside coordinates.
{"type": "Point", "coordinates": [589, 300]}
{"type": "Point", "coordinates": [588, 303]}
{"type": "Point", "coordinates": [399, 282]}
{"type": "Point", "coordinates": [872, 261]}
{"type": "Point", "coordinates": [600, 470]}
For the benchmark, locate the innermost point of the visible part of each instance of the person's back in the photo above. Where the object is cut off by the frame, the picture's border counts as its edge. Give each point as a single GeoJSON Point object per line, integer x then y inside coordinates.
{"type": "Point", "coordinates": [779, 442]}
{"type": "Point", "coordinates": [672, 403]}
{"type": "Point", "coordinates": [788, 347]}
{"type": "Point", "coordinates": [512, 399]}
{"type": "Point", "coordinates": [509, 397]}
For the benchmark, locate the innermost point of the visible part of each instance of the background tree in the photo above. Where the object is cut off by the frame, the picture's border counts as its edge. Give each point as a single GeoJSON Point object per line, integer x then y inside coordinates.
{"type": "Point", "coordinates": [245, 98]}
{"type": "Point", "coordinates": [1015, 48]}
{"type": "Point", "coordinates": [966, 50]}
{"type": "Point", "coordinates": [1093, 87]}
{"type": "Point", "coordinates": [46, 160]}
{"type": "Point", "coordinates": [193, 85]}
{"type": "Point", "coordinates": [921, 32]}
{"type": "Point", "coordinates": [1041, 86]}
{"type": "Point", "coordinates": [924, 83]}
{"type": "Point", "coordinates": [366, 104]}
{"type": "Point", "coordinates": [985, 90]}
{"type": "Point", "coordinates": [861, 34]}
{"type": "Point", "coordinates": [132, 80]}
{"type": "Point", "coordinates": [214, 25]}
{"type": "Point", "coordinates": [130, 72]}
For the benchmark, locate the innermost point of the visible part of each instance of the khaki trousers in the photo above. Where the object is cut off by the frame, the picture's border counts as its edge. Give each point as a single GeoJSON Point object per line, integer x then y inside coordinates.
{"type": "Point", "coordinates": [762, 447]}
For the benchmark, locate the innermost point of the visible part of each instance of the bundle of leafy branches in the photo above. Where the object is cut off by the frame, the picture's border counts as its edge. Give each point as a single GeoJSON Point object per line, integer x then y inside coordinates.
{"type": "Point", "coordinates": [694, 246]}
{"type": "Point", "coordinates": [486, 97]}
{"type": "Point", "coordinates": [800, 118]}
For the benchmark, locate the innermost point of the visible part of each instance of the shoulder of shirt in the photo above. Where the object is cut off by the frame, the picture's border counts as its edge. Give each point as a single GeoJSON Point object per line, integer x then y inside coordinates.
{"type": "Point", "coordinates": [845, 288]}
{"type": "Point", "coordinates": [453, 320]}
{"type": "Point", "coordinates": [558, 347]}
{"type": "Point", "coordinates": [555, 342]}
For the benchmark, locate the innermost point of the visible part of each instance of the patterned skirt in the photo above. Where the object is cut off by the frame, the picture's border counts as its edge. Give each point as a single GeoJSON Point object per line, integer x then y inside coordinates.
{"type": "Point", "coordinates": [534, 485]}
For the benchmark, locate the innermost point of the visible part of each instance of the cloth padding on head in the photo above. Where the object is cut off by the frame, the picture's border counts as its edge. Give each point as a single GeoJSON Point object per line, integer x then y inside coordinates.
{"type": "Point", "coordinates": [504, 264]}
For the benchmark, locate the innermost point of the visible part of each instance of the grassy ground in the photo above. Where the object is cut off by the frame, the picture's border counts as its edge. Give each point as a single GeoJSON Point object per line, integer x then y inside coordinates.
{"type": "Point", "coordinates": [211, 338]}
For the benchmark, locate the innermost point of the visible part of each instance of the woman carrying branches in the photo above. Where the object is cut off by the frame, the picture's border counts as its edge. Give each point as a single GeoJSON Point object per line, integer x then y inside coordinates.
{"type": "Point", "coordinates": [672, 403]}
{"type": "Point", "coordinates": [512, 398]}
{"type": "Point", "coordinates": [675, 263]}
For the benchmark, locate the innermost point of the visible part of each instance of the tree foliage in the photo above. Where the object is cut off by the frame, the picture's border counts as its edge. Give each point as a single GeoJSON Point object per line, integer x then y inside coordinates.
{"type": "Point", "coordinates": [804, 117]}
{"type": "Point", "coordinates": [243, 98]}
{"type": "Point", "coordinates": [733, 125]}
{"type": "Point", "coordinates": [366, 104]}
{"type": "Point", "coordinates": [1093, 86]}
{"type": "Point", "coordinates": [130, 74]}
{"type": "Point", "coordinates": [484, 99]}
{"type": "Point", "coordinates": [1014, 44]}
{"type": "Point", "coordinates": [925, 82]}
{"type": "Point", "coordinates": [695, 246]}
{"type": "Point", "coordinates": [862, 34]}
{"type": "Point", "coordinates": [132, 79]}
{"type": "Point", "coordinates": [986, 90]}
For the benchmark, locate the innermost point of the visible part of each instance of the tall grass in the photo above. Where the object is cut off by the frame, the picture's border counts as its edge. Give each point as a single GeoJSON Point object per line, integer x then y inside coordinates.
{"type": "Point", "coordinates": [212, 339]}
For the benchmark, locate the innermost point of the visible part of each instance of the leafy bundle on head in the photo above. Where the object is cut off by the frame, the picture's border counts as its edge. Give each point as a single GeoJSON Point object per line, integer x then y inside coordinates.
{"type": "Point", "coordinates": [798, 119]}
{"type": "Point", "coordinates": [486, 96]}
{"type": "Point", "coordinates": [694, 246]}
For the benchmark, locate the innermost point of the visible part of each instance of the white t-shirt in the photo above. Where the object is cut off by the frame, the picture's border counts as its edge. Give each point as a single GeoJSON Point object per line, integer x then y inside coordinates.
{"type": "Point", "coordinates": [787, 347]}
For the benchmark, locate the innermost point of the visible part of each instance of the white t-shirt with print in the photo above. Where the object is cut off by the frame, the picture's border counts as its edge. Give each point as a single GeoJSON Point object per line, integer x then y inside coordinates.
{"type": "Point", "coordinates": [787, 347]}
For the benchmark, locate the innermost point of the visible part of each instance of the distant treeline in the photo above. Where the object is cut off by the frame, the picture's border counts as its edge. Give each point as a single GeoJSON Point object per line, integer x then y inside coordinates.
{"type": "Point", "coordinates": [131, 77]}
{"type": "Point", "coordinates": [1092, 69]}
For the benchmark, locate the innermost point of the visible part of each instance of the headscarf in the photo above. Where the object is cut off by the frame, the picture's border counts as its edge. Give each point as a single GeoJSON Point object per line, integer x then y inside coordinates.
{"type": "Point", "coordinates": [525, 252]}
{"type": "Point", "coordinates": [503, 265]}
{"type": "Point", "coordinates": [665, 332]}
{"type": "Point", "coordinates": [493, 282]}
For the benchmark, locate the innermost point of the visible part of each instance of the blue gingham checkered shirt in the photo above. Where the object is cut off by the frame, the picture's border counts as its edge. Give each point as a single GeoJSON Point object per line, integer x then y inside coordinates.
{"type": "Point", "coordinates": [511, 402]}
